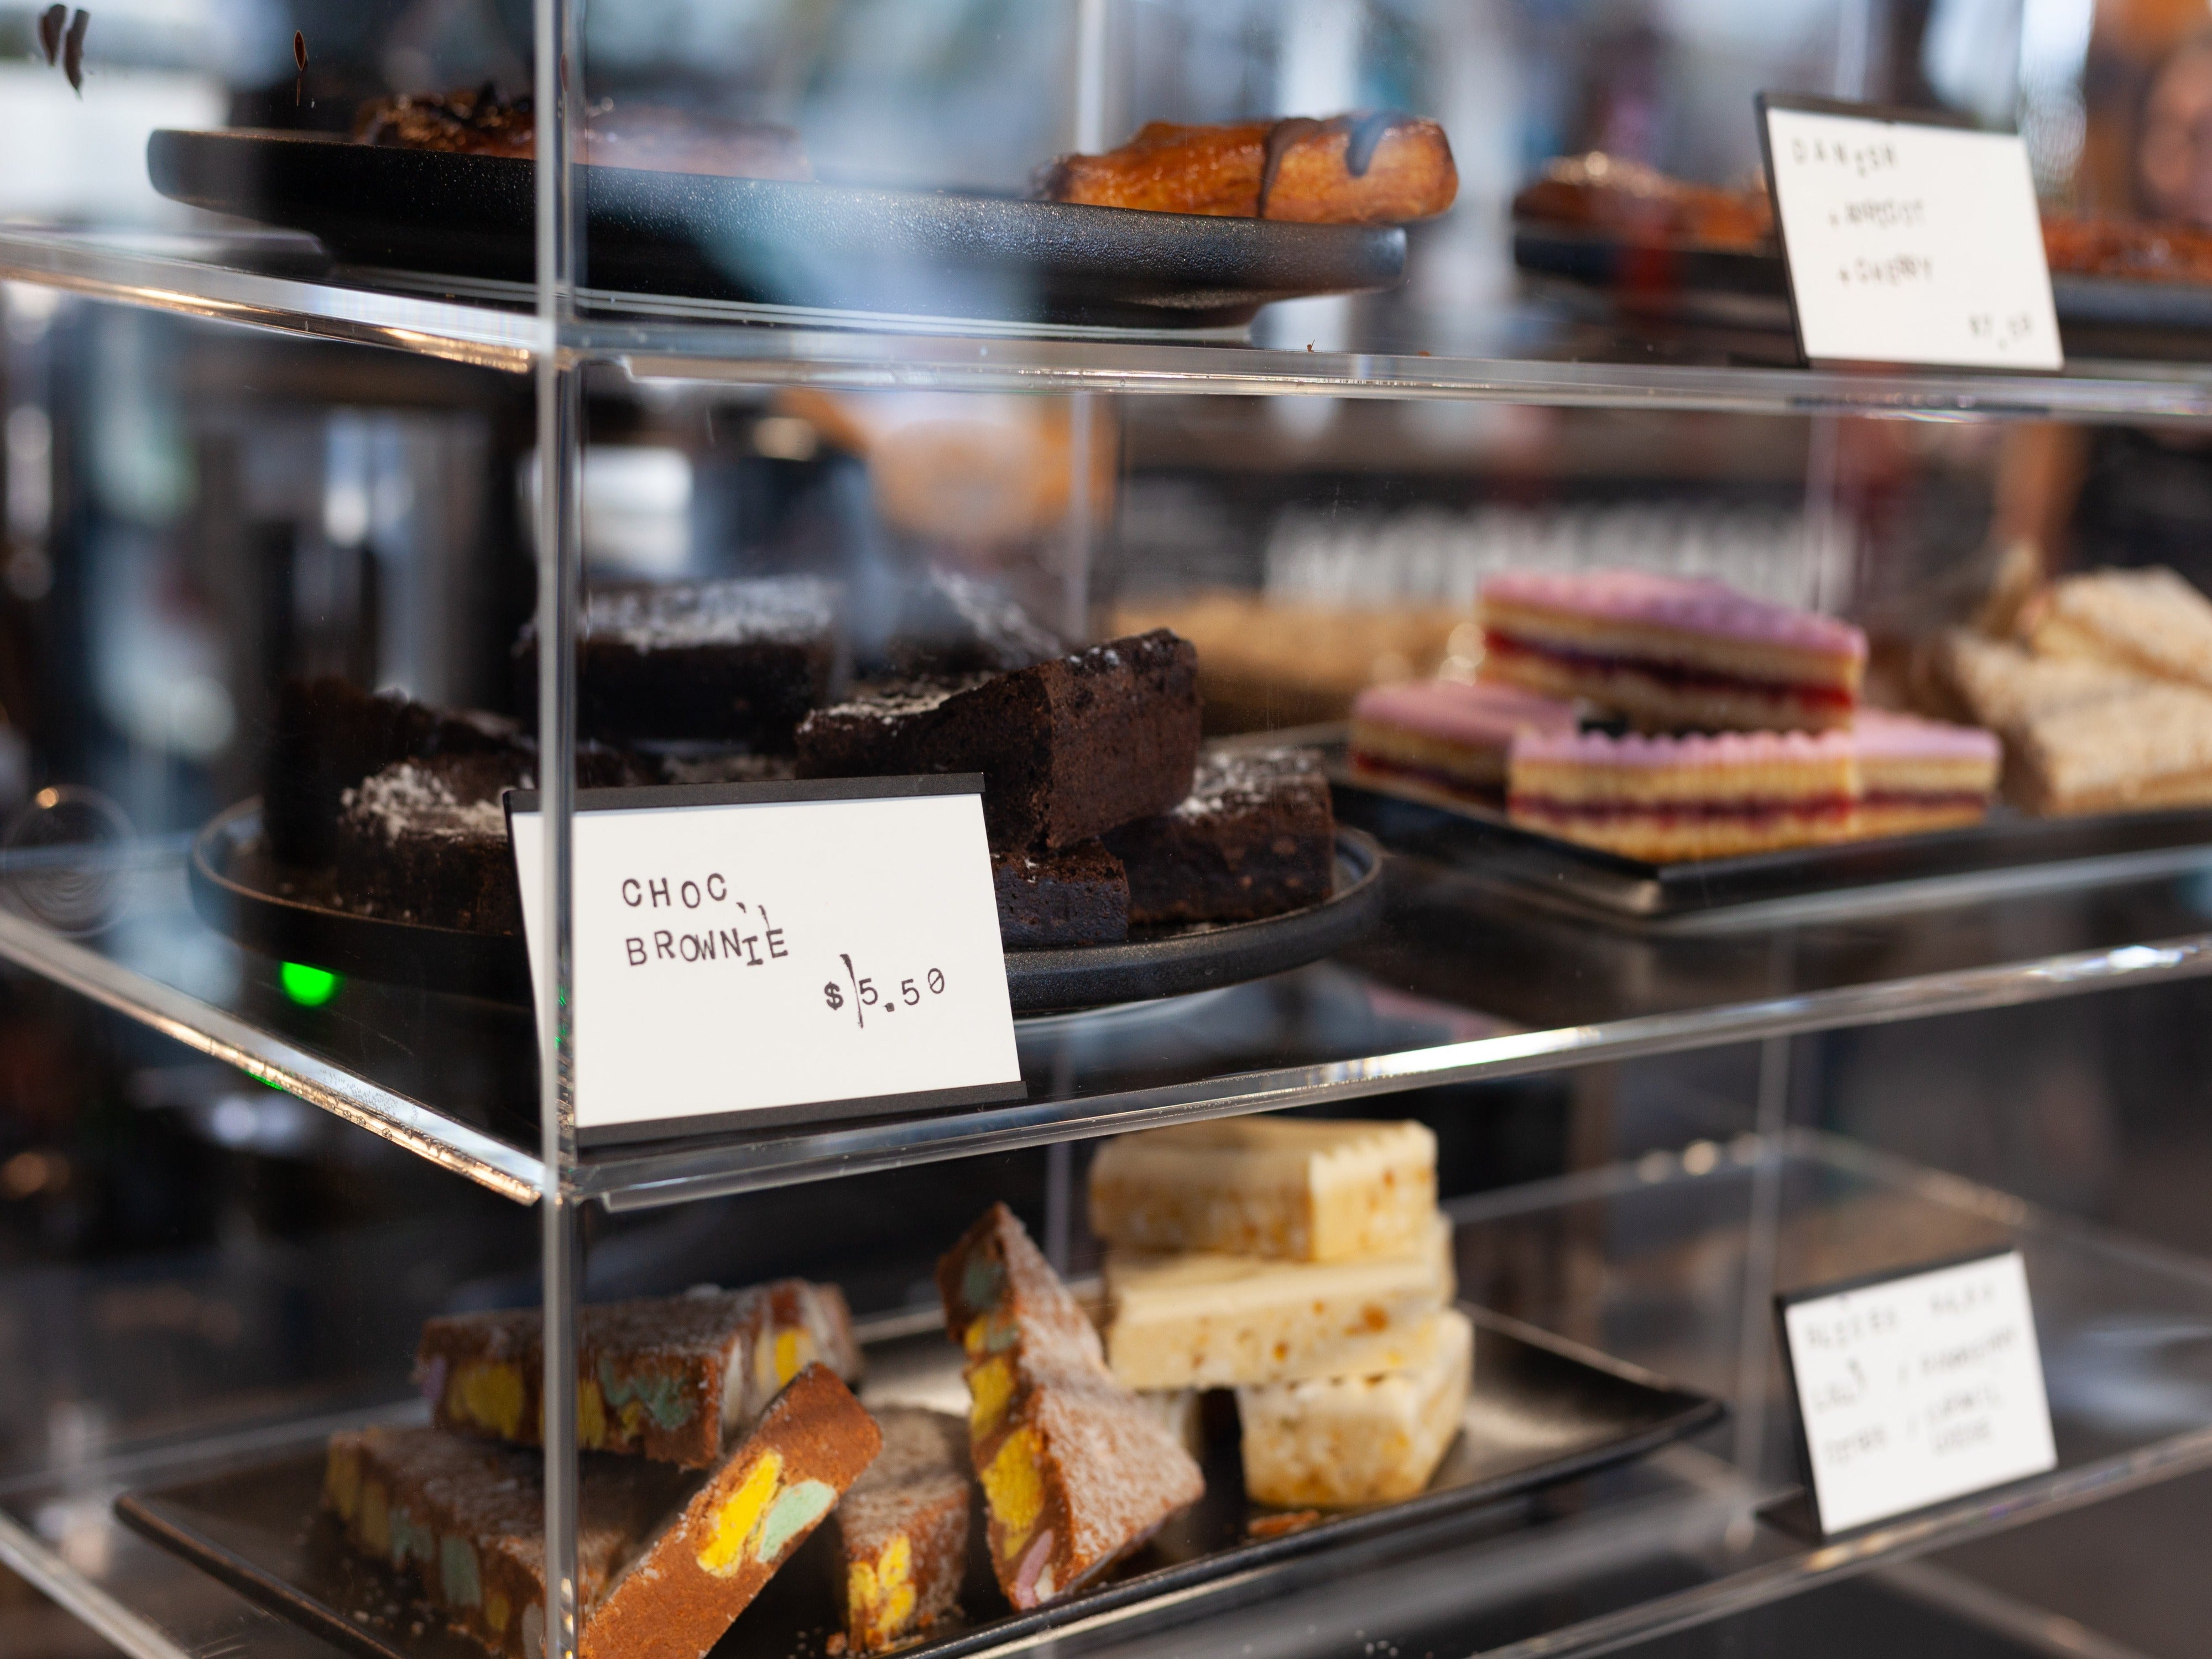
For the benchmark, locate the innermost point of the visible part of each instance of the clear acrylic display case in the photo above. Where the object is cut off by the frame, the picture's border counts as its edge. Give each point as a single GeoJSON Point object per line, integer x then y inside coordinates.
{"type": "Point", "coordinates": [236, 453]}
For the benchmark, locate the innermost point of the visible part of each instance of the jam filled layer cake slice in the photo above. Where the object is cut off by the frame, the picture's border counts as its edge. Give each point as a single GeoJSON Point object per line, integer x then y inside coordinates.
{"type": "Point", "coordinates": [1359, 1439]}
{"type": "Point", "coordinates": [904, 1529]}
{"type": "Point", "coordinates": [1077, 896]}
{"type": "Point", "coordinates": [1076, 1472]}
{"type": "Point", "coordinates": [1671, 654]}
{"type": "Point", "coordinates": [668, 1377]}
{"type": "Point", "coordinates": [1300, 1188]}
{"type": "Point", "coordinates": [1256, 837]}
{"type": "Point", "coordinates": [1664, 799]}
{"type": "Point", "coordinates": [1447, 734]}
{"type": "Point", "coordinates": [1207, 1321]}
{"type": "Point", "coordinates": [1918, 774]}
{"type": "Point", "coordinates": [669, 1560]}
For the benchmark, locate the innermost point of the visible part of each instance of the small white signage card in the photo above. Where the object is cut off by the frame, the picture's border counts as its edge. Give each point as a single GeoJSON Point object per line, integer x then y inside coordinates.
{"type": "Point", "coordinates": [1916, 1389]}
{"type": "Point", "coordinates": [759, 953]}
{"type": "Point", "coordinates": [1909, 242]}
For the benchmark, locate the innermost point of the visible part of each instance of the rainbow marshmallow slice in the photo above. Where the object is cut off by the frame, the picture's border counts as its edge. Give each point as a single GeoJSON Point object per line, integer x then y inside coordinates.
{"type": "Point", "coordinates": [1669, 653]}
{"type": "Point", "coordinates": [1664, 799]}
{"type": "Point", "coordinates": [1448, 735]}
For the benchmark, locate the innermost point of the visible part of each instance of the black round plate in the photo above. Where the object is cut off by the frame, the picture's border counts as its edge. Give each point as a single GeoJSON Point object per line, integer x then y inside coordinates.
{"type": "Point", "coordinates": [776, 242]}
{"type": "Point", "coordinates": [240, 893]}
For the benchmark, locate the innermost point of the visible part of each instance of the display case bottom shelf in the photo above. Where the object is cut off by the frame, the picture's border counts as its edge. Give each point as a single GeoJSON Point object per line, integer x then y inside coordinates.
{"type": "Point", "coordinates": [1662, 1263]}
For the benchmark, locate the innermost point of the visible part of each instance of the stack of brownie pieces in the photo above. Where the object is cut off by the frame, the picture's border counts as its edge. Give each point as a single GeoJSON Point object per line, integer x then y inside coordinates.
{"type": "Point", "coordinates": [1101, 812]}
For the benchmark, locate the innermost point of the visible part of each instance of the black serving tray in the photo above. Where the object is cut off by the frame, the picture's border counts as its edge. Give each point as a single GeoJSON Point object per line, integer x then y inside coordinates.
{"type": "Point", "coordinates": [297, 917]}
{"type": "Point", "coordinates": [1542, 1410]}
{"type": "Point", "coordinates": [1752, 290]}
{"type": "Point", "coordinates": [2007, 852]}
{"type": "Point", "coordinates": [775, 241]}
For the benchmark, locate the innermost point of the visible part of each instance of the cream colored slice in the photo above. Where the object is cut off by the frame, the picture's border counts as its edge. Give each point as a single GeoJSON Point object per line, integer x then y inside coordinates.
{"type": "Point", "coordinates": [2152, 748]}
{"type": "Point", "coordinates": [1334, 1442]}
{"type": "Point", "coordinates": [2152, 621]}
{"type": "Point", "coordinates": [1206, 1321]}
{"type": "Point", "coordinates": [1305, 1189]}
{"type": "Point", "coordinates": [2003, 687]}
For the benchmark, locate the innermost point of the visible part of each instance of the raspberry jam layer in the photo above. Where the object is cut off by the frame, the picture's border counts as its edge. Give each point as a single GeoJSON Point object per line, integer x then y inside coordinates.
{"type": "Point", "coordinates": [1751, 811]}
{"type": "Point", "coordinates": [1675, 675]}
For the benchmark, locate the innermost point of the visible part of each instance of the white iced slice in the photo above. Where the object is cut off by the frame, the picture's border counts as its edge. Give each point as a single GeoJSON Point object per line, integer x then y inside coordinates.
{"type": "Point", "coordinates": [1303, 1189]}
{"type": "Point", "coordinates": [1206, 1321]}
{"type": "Point", "coordinates": [1333, 1441]}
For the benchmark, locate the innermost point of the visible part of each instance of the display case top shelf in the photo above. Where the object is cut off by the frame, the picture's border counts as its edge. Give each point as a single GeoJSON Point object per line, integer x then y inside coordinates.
{"type": "Point", "coordinates": [282, 282]}
{"type": "Point", "coordinates": [1461, 982]}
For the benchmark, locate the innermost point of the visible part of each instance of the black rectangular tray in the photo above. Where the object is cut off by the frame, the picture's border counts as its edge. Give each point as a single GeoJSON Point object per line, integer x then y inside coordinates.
{"type": "Point", "coordinates": [1752, 290]}
{"type": "Point", "coordinates": [2007, 853]}
{"type": "Point", "coordinates": [1542, 1410]}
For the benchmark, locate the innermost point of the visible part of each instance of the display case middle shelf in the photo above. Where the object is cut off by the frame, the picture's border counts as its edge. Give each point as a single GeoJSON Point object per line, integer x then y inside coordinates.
{"type": "Point", "coordinates": [1444, 989]}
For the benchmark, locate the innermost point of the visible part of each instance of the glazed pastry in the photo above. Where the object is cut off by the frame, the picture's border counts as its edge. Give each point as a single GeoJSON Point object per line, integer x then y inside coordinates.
{"type": "Point", "coordinates": [1671, 653]}
{"type": "Point", "coordinates": [1916, 774]}
{"type": "Point", "coordinates": [478, 122]}
{"type": "Point", "coordinates": [903, 1530]}
{"type": "Point", "coordinates": [667, 1561]}
{"type": "Point", "coordinates": [1370, 1438]}
{"type": "Point", "coordinates": [1373, 168]}
{"type": "Point", "coordinates": [2151, 621]}
{"type": "Point", "coordinates": [1664, 799]}
{"type": "Point", "coordinates": [1256, 837]}
{"type": "Point", "coordinates": [1448, 734]}
{"type": "Point", "coordinates": [1209, 1321]}
{"type": "Point", "coordinates": [668, 1377]}
{"type": "Point", "coordinates": [1297, 1189]}
{"type": "Point", "coordinates": [1597, 191]}
{"type": "Point", "coordinates": [1076, 1473]}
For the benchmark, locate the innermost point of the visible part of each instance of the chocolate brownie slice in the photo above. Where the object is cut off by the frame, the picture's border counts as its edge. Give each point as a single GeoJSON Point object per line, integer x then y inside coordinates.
{"type": "Point", "coordinates": [425, 839]}
{"type": "Point", "coordinates": [1255, 836]}
{"type": "Point", "coordinates": [327, 735]}
{"type": "Point", "coordinates": [736, 661]}
{"type": "Point", "coordinates": [1076, 897]}
{"type": "Point", "coordinates": [878, 731]}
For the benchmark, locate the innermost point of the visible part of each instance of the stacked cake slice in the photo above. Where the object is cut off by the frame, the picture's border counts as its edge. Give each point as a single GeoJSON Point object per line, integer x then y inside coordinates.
{"type": "Point", "coordinates": [1304, 1264]}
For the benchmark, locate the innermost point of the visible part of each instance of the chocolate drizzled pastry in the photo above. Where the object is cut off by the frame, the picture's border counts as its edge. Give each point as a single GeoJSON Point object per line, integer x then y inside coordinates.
{"type": "Point", "coordinates": [1068, 748]}
{"type": "Point", "coordinates": [1256, 837]}
{"type": "Point", "coordinates": [1373, 167]}
{"type": "Point", "coordinates": [327, 735]}
{"type": "Point", "coordinates": [478, 122]}
{"type": "Point", "coordinates": [734, 661]}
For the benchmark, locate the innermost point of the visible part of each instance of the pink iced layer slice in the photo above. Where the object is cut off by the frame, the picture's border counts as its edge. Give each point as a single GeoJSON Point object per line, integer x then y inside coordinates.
{"type": "Point", "coordinates": [1482, 716]}
{"type": "Point", "coordinates": [1882, 734]}
{"type": "Point", "coordinates": [1722, 751]}
{"type": "Point", "coordinates": [1690, 605]}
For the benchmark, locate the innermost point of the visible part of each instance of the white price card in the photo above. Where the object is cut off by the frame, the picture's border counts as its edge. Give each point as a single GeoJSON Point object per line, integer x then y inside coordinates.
{"type": "Point", "coordinates": [753, 954]}
{"type": "Point", "coordinates": [1908, 241]}
{"type": "Point", "coordinates": [1917, 1389]}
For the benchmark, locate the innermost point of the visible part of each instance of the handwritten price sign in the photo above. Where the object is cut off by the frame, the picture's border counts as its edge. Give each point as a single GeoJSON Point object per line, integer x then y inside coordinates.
{"type": "Point", "coordinates": [746, 954]}
{"type": "Point", "coordinates": [1907, 241]}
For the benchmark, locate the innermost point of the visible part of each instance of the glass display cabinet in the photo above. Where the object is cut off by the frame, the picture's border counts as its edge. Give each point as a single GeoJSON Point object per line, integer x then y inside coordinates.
{"type": "Point", "coordinates": [809, 397]}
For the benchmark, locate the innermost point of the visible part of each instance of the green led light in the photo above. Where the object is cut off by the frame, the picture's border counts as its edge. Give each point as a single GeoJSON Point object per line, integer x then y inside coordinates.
{"type": "Point", "coordinates": [311, 987]}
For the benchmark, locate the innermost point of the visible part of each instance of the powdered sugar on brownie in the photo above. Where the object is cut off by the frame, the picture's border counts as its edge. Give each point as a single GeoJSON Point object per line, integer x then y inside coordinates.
{"type": "Point", "coordinates": [789, 609]}
{"type": "Point", "coordinates": [411, 799]}
{"type": "Point", "coordinates": [1236, 779]}
{"type": "Point", "coordinates": [1690, 605]}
